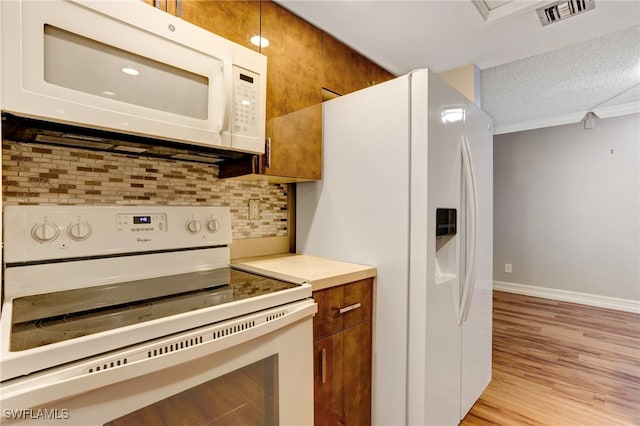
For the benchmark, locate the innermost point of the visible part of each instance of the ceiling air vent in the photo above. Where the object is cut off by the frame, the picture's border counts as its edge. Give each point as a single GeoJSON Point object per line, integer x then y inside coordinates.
{"type": "Point", "coordinates": [561, 10]}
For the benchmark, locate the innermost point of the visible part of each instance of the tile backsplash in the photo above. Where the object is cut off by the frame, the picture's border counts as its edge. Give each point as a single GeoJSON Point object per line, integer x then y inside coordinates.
{"type": "Point", "coordinates": [43, 174]}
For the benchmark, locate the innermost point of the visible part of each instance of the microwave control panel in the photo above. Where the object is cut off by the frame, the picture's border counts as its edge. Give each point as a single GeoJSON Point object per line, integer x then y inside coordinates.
{"type": "Point", "coordinates": [246, 93]}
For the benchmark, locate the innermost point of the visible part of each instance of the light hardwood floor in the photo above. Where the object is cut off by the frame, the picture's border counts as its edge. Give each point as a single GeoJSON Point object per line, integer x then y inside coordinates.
{"type": "Point", "coordinates": [558, 363]}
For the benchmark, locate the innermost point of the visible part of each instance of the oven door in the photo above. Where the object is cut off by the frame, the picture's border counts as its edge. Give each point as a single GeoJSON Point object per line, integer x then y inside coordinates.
{"type": "Point", "coordinates": [252, 370]}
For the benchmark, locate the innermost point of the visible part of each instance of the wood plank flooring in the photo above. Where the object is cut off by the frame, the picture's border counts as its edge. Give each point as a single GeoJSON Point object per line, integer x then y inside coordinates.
{"type": "Point", "coordinates": [558, 363]}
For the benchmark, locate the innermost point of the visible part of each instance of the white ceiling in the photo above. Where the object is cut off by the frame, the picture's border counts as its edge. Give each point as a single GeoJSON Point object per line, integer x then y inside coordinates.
{"type": "Point", "coordinates": [531, 76]}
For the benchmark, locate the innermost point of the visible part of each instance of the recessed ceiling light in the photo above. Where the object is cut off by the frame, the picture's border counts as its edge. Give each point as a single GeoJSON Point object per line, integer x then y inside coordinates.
{"type": "Point", "coordinates": [256, 40]}
{"type": "Point", "coordinates": [130, 71]}
{"type": "Point", "coordinates": [108, 93]}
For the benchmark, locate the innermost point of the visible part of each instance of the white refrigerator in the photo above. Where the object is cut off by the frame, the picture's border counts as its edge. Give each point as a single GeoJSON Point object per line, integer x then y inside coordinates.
{"type": "Point", "coordinates": [407, 187]}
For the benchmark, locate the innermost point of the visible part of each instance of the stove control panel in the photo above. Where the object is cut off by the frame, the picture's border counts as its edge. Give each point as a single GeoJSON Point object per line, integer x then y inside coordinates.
{"type": "Point", "coordinates": [34, 233]}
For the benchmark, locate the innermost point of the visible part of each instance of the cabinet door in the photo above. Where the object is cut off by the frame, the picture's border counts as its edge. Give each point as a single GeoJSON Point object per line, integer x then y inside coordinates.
{"type": "Point", "coordinates": [237, 21]}
{"type": "Point", "coordinates": [294, 94]}
{"type": "Point", "coordinates": [357, 374]}
{"type": "Point", "coordinates": [346, 70]}
{"type": "Point", "coordinates": [328, 381]}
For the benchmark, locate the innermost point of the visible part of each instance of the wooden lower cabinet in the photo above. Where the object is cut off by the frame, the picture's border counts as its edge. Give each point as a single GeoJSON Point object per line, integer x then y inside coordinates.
{"type": "Point", "coordinates": [343, 355]}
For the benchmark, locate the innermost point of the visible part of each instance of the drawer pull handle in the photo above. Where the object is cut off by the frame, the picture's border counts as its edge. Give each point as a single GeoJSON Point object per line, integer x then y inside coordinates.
{"type": "Point", "coordinates": [323, 366]}
{"type": "Point", "coordinates": [350, 308]}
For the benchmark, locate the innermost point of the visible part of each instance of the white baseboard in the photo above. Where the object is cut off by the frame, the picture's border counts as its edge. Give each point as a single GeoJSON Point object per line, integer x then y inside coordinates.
{"type": "Point", "coordinates": [625, 305]}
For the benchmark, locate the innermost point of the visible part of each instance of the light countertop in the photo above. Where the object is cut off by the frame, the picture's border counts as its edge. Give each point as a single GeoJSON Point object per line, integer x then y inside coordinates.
{"type": "Point", "coordinates": [318, 271]}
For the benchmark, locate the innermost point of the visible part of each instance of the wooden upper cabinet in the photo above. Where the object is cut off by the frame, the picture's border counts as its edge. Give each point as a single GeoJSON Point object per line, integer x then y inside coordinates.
{"type": "Point", "coordinates": [301, 61]}
{"type": "Point", "coordinates": [294, 94]}
{"type": "Point", "coordinates": [237, 21]}
{"type": "Point", "coordinates": [345, 70]}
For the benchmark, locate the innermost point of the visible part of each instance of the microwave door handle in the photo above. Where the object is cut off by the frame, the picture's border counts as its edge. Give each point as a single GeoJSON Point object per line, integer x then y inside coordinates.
{"type": "Point", "coordinates": [227, 96]}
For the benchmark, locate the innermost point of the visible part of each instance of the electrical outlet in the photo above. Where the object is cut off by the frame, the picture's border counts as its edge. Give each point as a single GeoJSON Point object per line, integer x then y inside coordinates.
{"type": "Point", "coordinates": [507, 268]}
{"type": "Point", "coordinates": [254, 209]}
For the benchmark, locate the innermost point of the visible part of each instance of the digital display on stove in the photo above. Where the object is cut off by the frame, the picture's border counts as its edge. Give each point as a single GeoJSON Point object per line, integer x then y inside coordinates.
{"type": "Point", "coordinates": [138, 220]}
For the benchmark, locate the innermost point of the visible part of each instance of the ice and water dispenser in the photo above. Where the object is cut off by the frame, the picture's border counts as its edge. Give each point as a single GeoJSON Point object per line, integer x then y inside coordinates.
{"type": "Point", "coordinates": [447, 264]}
{"type": "Point", "coordinates": [445, 226]}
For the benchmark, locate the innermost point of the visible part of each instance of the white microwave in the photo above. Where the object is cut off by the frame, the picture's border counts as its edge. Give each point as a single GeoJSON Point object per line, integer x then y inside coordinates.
{"type": "Point", "coordinates": [128, 67]}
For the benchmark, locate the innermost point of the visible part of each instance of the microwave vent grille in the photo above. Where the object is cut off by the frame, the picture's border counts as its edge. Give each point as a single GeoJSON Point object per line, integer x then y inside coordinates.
{"type": "Point", "coordinates": [21, 129]}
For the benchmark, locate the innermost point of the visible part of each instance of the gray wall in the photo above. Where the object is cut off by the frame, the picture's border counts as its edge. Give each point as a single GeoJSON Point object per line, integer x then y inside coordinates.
{"type": "Point", "coordinates": [567, 207]}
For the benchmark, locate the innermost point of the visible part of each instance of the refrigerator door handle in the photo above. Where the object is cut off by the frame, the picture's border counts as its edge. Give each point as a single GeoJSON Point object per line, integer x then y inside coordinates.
{"type": "Point", "coordinates": [472, 230]}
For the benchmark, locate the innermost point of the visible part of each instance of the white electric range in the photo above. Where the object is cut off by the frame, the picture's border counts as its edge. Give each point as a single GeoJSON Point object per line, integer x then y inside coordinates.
{"type": "Point", "coordinates": [102, 300]}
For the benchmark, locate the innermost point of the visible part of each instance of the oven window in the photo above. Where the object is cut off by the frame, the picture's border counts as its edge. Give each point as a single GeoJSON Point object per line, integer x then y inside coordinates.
{"type": "Point", "coordinates": [247, 396]}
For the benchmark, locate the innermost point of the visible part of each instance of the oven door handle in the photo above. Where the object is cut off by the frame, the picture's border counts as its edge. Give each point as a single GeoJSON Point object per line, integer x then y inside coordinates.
{"type": "Point", "coordinates": [145, 358]}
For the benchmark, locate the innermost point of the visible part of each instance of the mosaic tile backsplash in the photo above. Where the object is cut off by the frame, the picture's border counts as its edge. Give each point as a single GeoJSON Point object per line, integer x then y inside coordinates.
{"type": "Point", "coordinates": [43, 174]}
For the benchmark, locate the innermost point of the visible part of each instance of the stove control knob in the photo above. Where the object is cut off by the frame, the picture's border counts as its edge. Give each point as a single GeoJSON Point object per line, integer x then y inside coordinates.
{"type": "Point", "coordinates": [79, 231]}
{"type": "Point", "coordinates": [213, 225]}
{"type": "Point", "coordinates": [45, 232]}
{"type": "Point", "coordinates": [194, 226]}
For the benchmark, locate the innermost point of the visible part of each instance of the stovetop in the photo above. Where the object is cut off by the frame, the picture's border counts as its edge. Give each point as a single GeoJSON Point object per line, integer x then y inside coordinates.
{"type": "Point", "coordinates": [43, 319]}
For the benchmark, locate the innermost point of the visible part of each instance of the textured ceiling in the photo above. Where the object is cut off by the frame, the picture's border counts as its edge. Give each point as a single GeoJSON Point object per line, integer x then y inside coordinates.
{"type": "Point", "coordinates": [561, 86]}
{"type": "Point", "coordinates": [532, 76]}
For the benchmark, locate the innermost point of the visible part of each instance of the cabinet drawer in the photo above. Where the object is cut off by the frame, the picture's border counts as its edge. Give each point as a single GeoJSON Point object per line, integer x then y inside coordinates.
{"type": "Point", "coordinates": [342, 307]}
{"type": "Point", "coordinates": [359, 292]}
